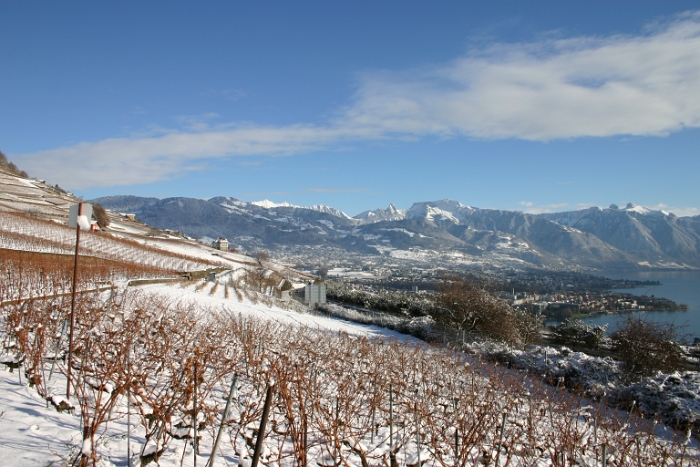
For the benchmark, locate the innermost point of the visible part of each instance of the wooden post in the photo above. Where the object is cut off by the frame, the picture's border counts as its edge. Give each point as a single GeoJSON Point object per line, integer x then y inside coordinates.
{"type": "Point", "coordinates": [72, 302]}
{"type": "Point", "coordinates": [215, 448]}
{"type": "Point", "coordinates": [58, 345]}
{"type": "Point", "coordinates": [304, 440]}
{"type": "Point", "coordinates": [605, 455]}
{"type": "Point", "coordinates": [261, 431]}
{"type": "Point", "coordinates": [417, 432]}
{"type": "Point", "coordinates": [456, 444]}
{"type": "Point", "coordinates": [128, 412]}
{"type": "Point", "coordinates": [500, 439]}
{"type": "Point", "coordinates": [391, 419]}
{"type": "Point", "coordinates": [194, 413]}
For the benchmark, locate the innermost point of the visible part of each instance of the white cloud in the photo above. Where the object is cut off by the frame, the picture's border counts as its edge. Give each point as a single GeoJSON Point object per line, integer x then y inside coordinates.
{"type": "Point", "coordinates": [124, 161]}
{"type": "Point", "coordinates": [553, 89]}
{"type": "Point", "coordinates": [679, 211]}
{"type": "Point", "coordinates": [530, 207]}
{"type": "Point", "coordinates": [644, 85]}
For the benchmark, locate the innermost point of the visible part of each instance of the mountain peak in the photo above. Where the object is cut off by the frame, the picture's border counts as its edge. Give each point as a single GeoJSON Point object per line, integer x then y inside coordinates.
{"type": "Point", "coordinates": [329, 210]}
{"type": "Point", "coordinates": [379, 215]}
{"type": "Point", "coordinates": [267, 204]}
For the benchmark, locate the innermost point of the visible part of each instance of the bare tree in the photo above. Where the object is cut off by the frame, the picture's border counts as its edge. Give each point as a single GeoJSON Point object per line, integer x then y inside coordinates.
{"type": "Point", "coordinates": [261, 255]}
{"type": "Point", "coordinates": [647, 347]}
{"type": "Point", "coordinates": [101, 215]}
{"type": "Point", "coordinates": [467, 306]}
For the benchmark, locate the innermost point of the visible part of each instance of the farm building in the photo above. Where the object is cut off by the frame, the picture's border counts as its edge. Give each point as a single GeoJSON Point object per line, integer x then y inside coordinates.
{"type": "Point", "coordinates": [220, 244]}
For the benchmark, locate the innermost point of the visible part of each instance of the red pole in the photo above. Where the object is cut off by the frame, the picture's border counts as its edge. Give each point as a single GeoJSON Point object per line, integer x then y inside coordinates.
{"type": "Point", "coordinates": [72, 302]}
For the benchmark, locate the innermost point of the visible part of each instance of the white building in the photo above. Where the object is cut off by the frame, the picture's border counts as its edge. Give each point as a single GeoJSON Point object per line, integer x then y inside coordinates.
{"type": "Point", "coordinates": [315, 293]}
{"type": "Point", "coordinates": [220, 244]}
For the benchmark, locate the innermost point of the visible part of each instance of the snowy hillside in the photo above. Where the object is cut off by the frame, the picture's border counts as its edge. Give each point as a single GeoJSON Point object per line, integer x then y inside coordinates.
{"type": "Point", "coordinates": [341, 393]}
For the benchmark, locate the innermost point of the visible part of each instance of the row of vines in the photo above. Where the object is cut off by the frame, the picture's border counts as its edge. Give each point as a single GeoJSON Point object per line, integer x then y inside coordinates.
{"type": "Point", "coordinates": [28, 275]}
{"type": "Point", "coordinates": [337, 399]}
{"type": "Point", "coordinates": [22, 232]}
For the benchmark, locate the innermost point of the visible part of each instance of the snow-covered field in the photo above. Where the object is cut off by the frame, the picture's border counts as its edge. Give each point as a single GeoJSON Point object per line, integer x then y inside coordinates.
{"type": "Point", "coordinates": [20, 232]}
{"type": "Point", "coordinates": [343, 394]}
{"type": "Point", "coordinates": [35, 433]}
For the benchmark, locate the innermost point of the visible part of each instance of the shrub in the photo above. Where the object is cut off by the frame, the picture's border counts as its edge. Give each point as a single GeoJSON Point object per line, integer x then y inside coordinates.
{"type": "Point", "coordinates": [465, 306]}
{"type": "Point", "coordinates": [101, 215]}
{"type": "Point", "coordinates": [574, 332]}
{"type": "Point", "coordinates": [11, 166]}
{"type": "Point", "coordinates": [646, 347]}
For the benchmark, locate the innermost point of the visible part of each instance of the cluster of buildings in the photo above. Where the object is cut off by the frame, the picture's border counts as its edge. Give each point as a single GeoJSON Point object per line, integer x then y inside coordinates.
{"type": "Point", "coordinates": [562, 305]}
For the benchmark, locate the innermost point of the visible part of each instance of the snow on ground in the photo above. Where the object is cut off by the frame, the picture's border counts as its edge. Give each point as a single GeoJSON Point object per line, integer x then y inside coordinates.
{"type": "Point", "coordinates": [195, 250]}
{"type": "Point", "coordinates": [673, 398]}
{"type": "Point", "coordinates": [349, 273]}
{"type": "Point", "coordinates": [266, 203]}
{"type": "Point", "coordinates": [124, 228]}
{"type": "Point", "coordinates": [34, 433]}
{"type": "Point", "coordinates": [274, 313]}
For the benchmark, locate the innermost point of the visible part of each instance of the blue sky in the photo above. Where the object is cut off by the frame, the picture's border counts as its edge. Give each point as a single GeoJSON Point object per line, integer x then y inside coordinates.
{"type": "Point", "coordinates": [534, 106]}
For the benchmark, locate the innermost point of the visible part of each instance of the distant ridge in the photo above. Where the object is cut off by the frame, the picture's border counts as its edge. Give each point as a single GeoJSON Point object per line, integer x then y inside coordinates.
{"type": "Point", "coordinates": [613, 237]}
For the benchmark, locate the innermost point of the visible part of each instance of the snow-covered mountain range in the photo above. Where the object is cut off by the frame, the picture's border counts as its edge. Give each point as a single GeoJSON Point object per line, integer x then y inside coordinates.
{"type": "Point", "coordinates": [630, 237]}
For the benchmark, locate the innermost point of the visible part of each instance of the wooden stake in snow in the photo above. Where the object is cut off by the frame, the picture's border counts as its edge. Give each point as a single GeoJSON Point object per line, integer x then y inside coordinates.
{"type": "Point", "coordinates": [194, 414]}
{"type": "Point", "coordinates": [417, 432]}
{"type": "Point", "coordinates": [500, 439]}
{"type": "Point", "coordinates": [261, 431]}
{"type": "Point", "coordinates": [72, 300]}
{"type": "Point", "coordinates": [215, 448]}
{"type": "Point", "coordinates": [128, 411]}
{"type": "Point", "coordinates": [391, 420]}
{"type": "Point", "coordinates": [58, 346]}
{"type": "Point", "coordinates": [605, 455]}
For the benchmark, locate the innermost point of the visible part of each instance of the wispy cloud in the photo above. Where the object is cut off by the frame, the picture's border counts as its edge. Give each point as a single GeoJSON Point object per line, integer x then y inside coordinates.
{"type": "Point", "coordinates": [552, 89]}
{"type": "Point", "coordinates": [643, 85]}
{"type": "Point", "coordinates": [531, 208]}
{"type": "Point", "coordinates": [125, 161]}
{"type": "Point", "coordinates": [679, 211]}
{"type": "Point", "coordinates": [197, 123]}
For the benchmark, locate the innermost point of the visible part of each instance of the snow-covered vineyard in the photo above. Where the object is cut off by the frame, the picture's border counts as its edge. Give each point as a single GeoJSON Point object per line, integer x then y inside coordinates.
{"type": "Point", "coordinates": [21, 232]}
{"type": "Point", "coordinates": [341, 394]}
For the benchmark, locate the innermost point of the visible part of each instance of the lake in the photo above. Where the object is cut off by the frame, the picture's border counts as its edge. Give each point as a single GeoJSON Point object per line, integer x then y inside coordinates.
{"type": "Point", "coordinates": [679, 286]}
